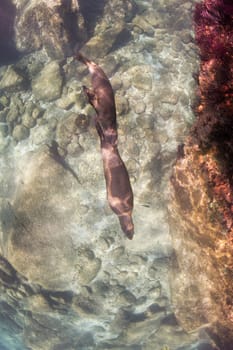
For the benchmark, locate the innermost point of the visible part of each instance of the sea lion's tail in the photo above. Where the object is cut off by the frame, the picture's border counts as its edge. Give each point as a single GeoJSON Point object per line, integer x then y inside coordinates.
{"type": "Point", "coordinates": [127, 225]}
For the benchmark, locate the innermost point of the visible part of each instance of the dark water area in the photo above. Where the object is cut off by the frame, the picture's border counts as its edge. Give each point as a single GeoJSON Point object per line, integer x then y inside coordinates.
{"type": "Point", "coordinates": [92, 11]}
{"type": "Point", "coordinates": [8, 51]}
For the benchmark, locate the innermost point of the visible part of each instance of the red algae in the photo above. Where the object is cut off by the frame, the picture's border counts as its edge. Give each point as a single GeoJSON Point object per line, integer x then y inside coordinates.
{"type": "Point", "coordinates": [213, 128]}
{"type": "Point", "coordinates": [201, 214]}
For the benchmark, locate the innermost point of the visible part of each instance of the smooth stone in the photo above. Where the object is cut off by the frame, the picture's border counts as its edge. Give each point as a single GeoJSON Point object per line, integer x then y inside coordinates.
{"type": "Point", "coordinates": [71, 98]}
{"type": "Point", "coordinates": [141, 77]}
{"type": "Point", "coordinates": [143, 25]}
{"type": "Point", "coordinates": [28, 121]}
{"type": "Point", "coordinates": [50, 26]}
{"type": "Point", "coordinates": [12, 115]}
{"type": "Point", "coordinates": [139, 107]}
{"type": "Point", "coordinates": [11, 80]}
{"type": "Point", "coordinates": [36, 113]}
{"type": "Point", "coordinates": [4, 101]}
{"type": "Point", "coordinates": [74, 149]}
{"type": "Point", "coordinates": [67, 101]}
{"type": "Point", "coordinates": [66, 128]}
{"type": "Point", "coordinates": [41, 134]}
{"type": "Point", "coordinates": [102, 43]}
{"type": "Point", "coordinates": [116, 83]}
{"type": "Point", "coordinates": [122, 104]}
{"type": "Point", "coordinates": [20, 132]}
{"type": "Point", "coordinates": [47, 85]}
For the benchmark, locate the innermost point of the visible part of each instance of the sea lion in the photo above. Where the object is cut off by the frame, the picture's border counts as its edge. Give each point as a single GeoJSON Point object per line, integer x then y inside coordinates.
{"type": "Point", "coordinates": [119, 191]}
{"type": "Point", "coordinates": [101, 97]}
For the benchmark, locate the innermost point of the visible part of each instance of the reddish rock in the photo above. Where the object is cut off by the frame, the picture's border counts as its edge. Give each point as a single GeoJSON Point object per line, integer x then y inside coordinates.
{"type": "Point", "coordinates": [202, 211]}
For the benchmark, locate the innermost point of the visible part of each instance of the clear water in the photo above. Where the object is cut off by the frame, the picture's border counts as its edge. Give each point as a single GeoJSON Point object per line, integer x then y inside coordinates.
{"type": "Point", "coordinates": [151, 66]}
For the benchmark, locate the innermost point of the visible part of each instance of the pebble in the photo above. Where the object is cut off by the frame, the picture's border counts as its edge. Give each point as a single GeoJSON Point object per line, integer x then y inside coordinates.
{"type": "Point", "coordinates": [122, 104]}
{"type": "Point", "coordinates": [28, 121]}
{"type": "Point", "coordinates": [11, 80]}
{"type": "Point", "coordinates": [36, 113]}
{"type": "Point", "coordinates": [139, 107]}
{"type": "Point", "coordinates": [4, 101]}
{"type": "Point", "coordinates": [115, 82]}
{"type": "Point", "coordinates": [20, 133]}
{"type": "Point", "coordinates": [12, 114]}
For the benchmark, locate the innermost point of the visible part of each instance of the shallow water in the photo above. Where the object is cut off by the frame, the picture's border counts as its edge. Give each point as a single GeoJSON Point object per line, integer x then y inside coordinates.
{"type": "Point", "coordinates": [79, 284]}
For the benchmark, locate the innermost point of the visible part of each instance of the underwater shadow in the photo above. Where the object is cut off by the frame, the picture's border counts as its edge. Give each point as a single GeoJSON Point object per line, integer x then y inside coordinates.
{"type": "Point", "coordinates": [8, 51]}
{"type": "Point", "coordinates": [91, 11]}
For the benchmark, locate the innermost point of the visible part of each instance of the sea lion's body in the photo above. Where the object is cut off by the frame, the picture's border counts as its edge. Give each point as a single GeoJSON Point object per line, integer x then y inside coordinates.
{"type": "Point", "coordinates": [119, 191]}
{"type": "Point", "coordinates": [101, 97]}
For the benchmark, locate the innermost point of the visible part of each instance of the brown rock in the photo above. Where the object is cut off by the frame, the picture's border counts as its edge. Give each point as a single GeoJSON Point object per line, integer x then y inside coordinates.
{"type": "Point", "coordinates": [50, 25]}
{"type": "Point", "coordinates": [47, 85]}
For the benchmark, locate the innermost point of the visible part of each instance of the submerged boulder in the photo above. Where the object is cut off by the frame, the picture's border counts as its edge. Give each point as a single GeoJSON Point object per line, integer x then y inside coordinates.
{"type": "Point", "coordinates": [51, 25]}
{"type": "Point", "coordinates": [107, 37]}
{"type": "Point", "coordinates": [47, 85]}
{"type": "Point", "coordinates": [42, 208]}
{"type": "Point", "coordinates": [200, 276]}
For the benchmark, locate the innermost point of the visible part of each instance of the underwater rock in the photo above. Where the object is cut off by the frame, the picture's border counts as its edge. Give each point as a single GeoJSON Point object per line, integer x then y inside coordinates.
{"type": "Point", "coordinates": [53, 26]}
{"type": "Point", "coordinates": [57, 27]}
{"type": "Point", "coordinates": [28, 121]}
{"type": "Point", "coordinates": [92, 266]}
{"type": "Point", "coordinates": [106, 37]}
{"type": "Point", "coordinates": [29, 244]}
{"type": "Point", "coordinates": [36, 113]}
{"type": "Point", "coordinates": [47, 85]}
{"type": "Point", "coordinates": [139, 107]}
{"type": "Point", "coordinates": [41, 134]}
{"type": "Point", "coordinates": [4, 102]}
{"type": "Point", "coordinates": [116, 83]}
{"type": "Point", "coordinates": [122, 104]}
{"type": "Point", "coordinates": [142, 77]}
{"type": "Point", "coordinates": [200, 280]}
{"type": "Point", "coordinates": [69, 128]}
{"type": "Point", "coordinates": [143, 25]}
{"type": "Point", "coordinates": [56, 267]}
{"type": "Point", "coordinates": [201, 210]}
{"type": "Point", "coordinates": [153, 18]}
{"type": "Point", "coordinates": [70, 97]}
{"type": "Point", "coordinates": [67, 101]}
{"type": "Point", "coordinates": [11, 80]}
{"type": "Point", "coordinates": [20, 132]}
{"type": "Point", "coordinates": [13, 114]}
{"type": "Point", "coordinates": [102, 43]}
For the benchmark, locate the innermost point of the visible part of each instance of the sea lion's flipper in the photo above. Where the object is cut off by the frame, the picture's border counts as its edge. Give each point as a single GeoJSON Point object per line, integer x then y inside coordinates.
{"type": "Point", "coordinates": [100, 130]}
{"type": "Point", "coordinates": [90, 94]}
{"type": "Point", "coordinates": [92, 66]}
{"type": "Point", "coordinates": [108, 136]}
